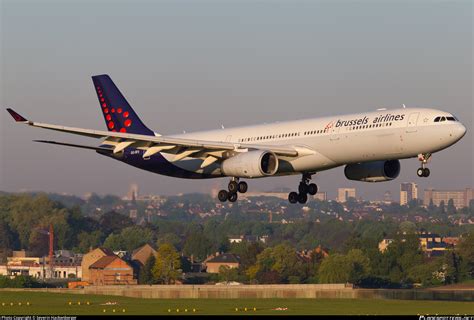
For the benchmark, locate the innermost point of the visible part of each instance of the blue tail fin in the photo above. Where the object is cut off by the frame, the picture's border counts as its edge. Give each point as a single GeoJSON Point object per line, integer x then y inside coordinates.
{"type": "Point", "coordinates": [118, 114]}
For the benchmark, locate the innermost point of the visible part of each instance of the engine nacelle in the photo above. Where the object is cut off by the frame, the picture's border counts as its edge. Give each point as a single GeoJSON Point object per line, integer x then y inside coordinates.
{"type": "Point", "coordinates": [251, 164]}
{"type": "Point", "coordinates": [374, 171]}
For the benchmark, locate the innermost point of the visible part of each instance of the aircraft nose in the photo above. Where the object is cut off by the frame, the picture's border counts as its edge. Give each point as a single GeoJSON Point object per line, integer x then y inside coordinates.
{"type": "Point", "coordinates": [459, 131]}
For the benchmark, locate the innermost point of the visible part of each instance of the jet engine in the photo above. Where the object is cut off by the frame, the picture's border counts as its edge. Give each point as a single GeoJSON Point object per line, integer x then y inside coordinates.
{"type": "Point", "coordinates": [374, 171]}
{"type": "Point", "coordinates": [251, 164]}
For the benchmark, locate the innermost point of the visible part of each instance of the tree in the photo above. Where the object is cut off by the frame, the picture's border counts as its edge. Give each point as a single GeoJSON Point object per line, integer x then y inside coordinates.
{"type": "Point", "coordinates": [359, 265]}
{"type": "Point", "coordinates": [228, 274]}
{"type": "Point", "coordinates": [170, 238]}
{"type": "Point", "coordinates": [88, 240]}
{"type": "Point", "coordinates": [146, 272]}
{"type": "Point", "coordinates": [441, 207]}
{"type": "Point", "coordinates": [451, 209]}
{"type": "Point", "coordinates": [466, 253]}
{"type": "Point", "coordinates": [334, 269]}
{"type": "Point", "coordinates": [167, 267]}
{"type": "Point", "coordinates": [198, 245]}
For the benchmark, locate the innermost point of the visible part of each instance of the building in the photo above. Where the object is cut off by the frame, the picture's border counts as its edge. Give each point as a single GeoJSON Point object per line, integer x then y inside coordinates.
{"type": "Point", "coordinates": [461, 198]}
{"type": "Point", "coordinates": [213, 263]}
{"type": "Point", "coordinates": [90, 258]}
{"type": "Point", "coordinates": [111, 270]}
{"type": "Point", "coordinates": [321, 195]}
{"type": "Point", "coordinates": [383, 245]}
{"type": "Point", "coordinates": [247, 238]}
{"type": "Point", "coordinates": [21, 263]}
{"type": "Point", "coordinates": [408, 192]}
{"type": "Point", "coordinates": [345, 193]}
{"type": "Point", "coordinates": [142, 254]}
{"type": "Point", "coordinates": [132, 192]}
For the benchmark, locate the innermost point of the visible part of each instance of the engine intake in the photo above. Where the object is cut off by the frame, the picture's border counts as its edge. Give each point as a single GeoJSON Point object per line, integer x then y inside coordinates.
{"type": "Point", "coordinates": [251, 164]}
{"type": "Point", "coordinates": [374, 171]}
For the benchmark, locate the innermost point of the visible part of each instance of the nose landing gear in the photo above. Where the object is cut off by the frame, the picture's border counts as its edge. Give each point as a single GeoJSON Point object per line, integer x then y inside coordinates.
{"type": "Point", "coordinates": [233, 188]}
{"type": "Point", "coordinates": [423, 171]}
{"type": "Point", "coordinates": [304, 188]}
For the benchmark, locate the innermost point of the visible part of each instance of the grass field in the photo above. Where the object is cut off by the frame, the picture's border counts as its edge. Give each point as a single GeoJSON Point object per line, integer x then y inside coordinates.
{"type": "Point", "coordinates": [31, 303]}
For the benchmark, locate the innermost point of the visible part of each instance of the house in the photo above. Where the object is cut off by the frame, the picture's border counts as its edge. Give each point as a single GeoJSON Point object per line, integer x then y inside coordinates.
{"type": "Point", "coordinates": [90, 258]}
{"type": "Point", "coordinates": [213, 263]}
{"type": "Point", "coordinates": [384, 244]}
{"type": "Point", "coordinates": [142, 254]}
{"type": "Point", "coordinates": [111, 270]}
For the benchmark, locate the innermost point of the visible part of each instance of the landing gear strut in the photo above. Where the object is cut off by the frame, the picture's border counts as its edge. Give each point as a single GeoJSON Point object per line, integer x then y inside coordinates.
{"type": "Point", "coordinates": [232, 189]}
{"type": "Point", "coordinates": [423, 171]}
{"type": "Point", "coordinates": [304, 188]}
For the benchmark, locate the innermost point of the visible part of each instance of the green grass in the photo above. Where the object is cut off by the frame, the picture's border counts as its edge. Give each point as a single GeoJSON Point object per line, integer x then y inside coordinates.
{"type": "Point", "coordinates": [58, 304]}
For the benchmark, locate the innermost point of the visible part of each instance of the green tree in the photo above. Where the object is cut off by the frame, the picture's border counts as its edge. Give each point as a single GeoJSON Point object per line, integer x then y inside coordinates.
{"type": "Point", "coordinates": [334, 269]}
{"type": "Point", "coordinates": [228, 274]}
{"type": "Point", "coordinates": [359, 265]}
{"type": "Point", "coordinates": [146, 271]}
{"type": "Point", "coordinates": [466, 253]}
{"type": "Point", "coordinates": [167, 267]}
{"type": "Point", "coordinates": [198, 245]}
{"type": "Point", "coordinates": [451, 209]}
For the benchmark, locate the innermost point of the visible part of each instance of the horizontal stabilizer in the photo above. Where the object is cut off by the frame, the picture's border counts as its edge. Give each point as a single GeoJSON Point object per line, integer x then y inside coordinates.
{"type": "Point", "coordinates": [75, 145]}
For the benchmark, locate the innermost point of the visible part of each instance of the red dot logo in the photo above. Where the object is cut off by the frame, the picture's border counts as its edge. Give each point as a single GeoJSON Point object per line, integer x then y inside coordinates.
{"type": "Point", "coordinates": [108, 117]}
{"type": "Point", "coordinates": [102, 99]}
{"type": "Point", "coordinates": [111, 125]}
{"type": "Point", "coordinates": [128, 123]}
{"type": "Point", "coordinates": [104, 104]}
{"type": "Point", "coordinates": [119, 110]}
{"type": "Point", "coordinates": [123, 130]}
{"type": "Point", "coordinates": [106, 110]}
{"type": "Point", "coordinates": [125, 114]}
{"type": "Point", "coordinates": [112, 110]}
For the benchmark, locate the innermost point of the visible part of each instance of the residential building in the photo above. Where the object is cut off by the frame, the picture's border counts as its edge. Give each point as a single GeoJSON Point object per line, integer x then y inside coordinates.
{"type": "Point", "coordinates": [408, 192]}
{"type": "Point", "coordinates": [213, 263]}
{"type": "Point", "coordinates": [461, 198]}
{"type": "Point", "coordinates": [111, 270]}
{"type": "Point", "coordinates": [90, 258]}
{"type": "Point", "coordinates": [345, 193]}
{"type": "Point", "coordinates": [384, 244]}
{"type": "Point", "coordinates": [142, 254]}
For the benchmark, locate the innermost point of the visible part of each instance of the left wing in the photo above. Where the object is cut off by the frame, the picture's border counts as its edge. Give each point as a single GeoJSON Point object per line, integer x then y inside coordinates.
{"type": "Point", "coordinates": [210, 151]}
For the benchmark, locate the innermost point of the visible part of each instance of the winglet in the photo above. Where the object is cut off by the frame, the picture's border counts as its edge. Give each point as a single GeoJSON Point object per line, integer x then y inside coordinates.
{"type": "Point", "coordinates": [16, 116]}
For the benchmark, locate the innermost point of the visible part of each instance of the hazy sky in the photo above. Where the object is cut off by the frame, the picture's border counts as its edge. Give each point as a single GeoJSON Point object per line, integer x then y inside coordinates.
{"type": "Point", "coordinates": [192, 65]}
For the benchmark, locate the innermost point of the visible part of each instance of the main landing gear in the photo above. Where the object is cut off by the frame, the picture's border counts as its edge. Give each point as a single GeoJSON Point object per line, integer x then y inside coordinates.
{"type": "Point", "coordinates": [233, 188]}
{"type": "Point", "coordinates": [304, 189]}
{"type": "Point", "coordinates": [423, 171]}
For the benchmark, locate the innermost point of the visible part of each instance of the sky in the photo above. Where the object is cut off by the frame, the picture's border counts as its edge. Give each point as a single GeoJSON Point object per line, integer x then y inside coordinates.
{"type": "Point", "coordinates": [194, 65]}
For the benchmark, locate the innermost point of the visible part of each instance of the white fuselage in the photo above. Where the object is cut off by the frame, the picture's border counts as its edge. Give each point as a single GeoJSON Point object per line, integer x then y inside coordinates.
{"type": "Point", "coordinates": [339, 140]}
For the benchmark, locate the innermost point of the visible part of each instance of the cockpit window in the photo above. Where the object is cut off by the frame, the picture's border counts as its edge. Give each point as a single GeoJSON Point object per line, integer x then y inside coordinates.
{"type": "Point", "coordinates": [442, 119]}
{"type": "Point", "coordinates": [437, 119]}
{"type": "Point", "coordinates": [451, 118]}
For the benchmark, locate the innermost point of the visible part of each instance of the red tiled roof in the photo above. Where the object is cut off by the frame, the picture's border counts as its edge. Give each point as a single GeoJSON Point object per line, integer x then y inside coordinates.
{"type": "Point", "coordinates": [103, 262]}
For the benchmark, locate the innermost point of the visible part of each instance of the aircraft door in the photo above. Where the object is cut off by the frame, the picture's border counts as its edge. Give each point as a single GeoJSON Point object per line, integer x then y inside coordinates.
{"type": "Point", "coordinates": [412, 122]}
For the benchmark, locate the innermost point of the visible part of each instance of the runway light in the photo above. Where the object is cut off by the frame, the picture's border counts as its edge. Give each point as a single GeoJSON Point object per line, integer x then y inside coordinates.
{"type": "Point", "coordinates": [245, 309]}
{"type": "Point", "coordinates": [78, 303]}
{"type": "Point", "coordinates": [194, 310]}
{"type": "Point", "coordinates": [3, 303]}
{"type": "Point", "coordinates": [19, 303]}
{"type": "Point", "coordinates": [88, 303]}
{"type": "Point", "coordinates": [236, 309]}
{"type": "Point", "coordinates": [28, 303]}
{"type": "Point", "coordinates": [11, 303]}
{"type": "Point", "coordinates": [103, 310]}
{"type": "Point", "coordinates": [123, 310]}
{"type": "Point", "coordinates": [169, 310]}
{"type": "Point", "coordinates": [113, 310]}
{"type": "Point", "coordinates": [177, 310]}
{"type": "Point", "coordinates": [254, 309]}
{"type": "Point", "coordinates": [185, 310]}
{"type": "Point", "coordinates": [70, 303]}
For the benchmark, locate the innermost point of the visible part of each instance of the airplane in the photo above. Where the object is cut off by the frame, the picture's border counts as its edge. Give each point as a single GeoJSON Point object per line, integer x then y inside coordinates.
{"type": "Point", "coordinates": [368, 144]}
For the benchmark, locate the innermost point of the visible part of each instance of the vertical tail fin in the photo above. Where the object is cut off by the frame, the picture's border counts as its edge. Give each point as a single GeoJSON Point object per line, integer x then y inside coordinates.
{"type": "Point", "coordinates": [118, 114]}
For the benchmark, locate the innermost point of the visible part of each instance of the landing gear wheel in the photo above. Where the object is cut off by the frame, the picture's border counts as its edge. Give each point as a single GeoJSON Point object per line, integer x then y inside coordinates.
{"type": "Point", "coordinates": [293, 197]}
{"type": "Point", "coordinates": [426, 172]}
{"type": "Point", "coordinates": [302, 198]}
{"type": "Point", "coordinates": [223, 195]}
{"type": "Point", "coordinates": [420, 172]}
{"type": "Point", "coordinates": [242, 187]}
{"type": "Point", "coordinates": [312, 189]}
{"type": "Point", "coordinates": [232, 197]}
{"type": "Point", "coordinates": [303, 188]}
{"type": "Point", "coordinates": [233, 186]}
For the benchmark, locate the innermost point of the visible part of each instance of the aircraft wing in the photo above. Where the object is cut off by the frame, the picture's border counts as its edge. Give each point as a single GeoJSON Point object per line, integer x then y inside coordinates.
{"type": "Point", "coordinates": [210, 151]}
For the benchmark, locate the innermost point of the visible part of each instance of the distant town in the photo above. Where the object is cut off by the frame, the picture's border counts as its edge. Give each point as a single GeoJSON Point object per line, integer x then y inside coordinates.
{"type": "Point", "coordinates": [65, 240]}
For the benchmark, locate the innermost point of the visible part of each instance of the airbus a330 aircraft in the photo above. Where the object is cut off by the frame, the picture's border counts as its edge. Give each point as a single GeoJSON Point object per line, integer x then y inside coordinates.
{"type": "Point", "coordinates": [368, 144]}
